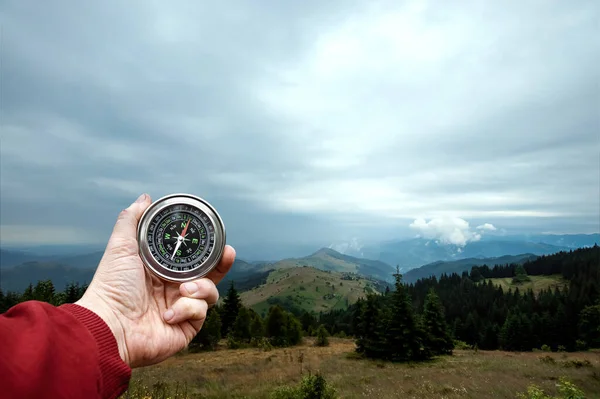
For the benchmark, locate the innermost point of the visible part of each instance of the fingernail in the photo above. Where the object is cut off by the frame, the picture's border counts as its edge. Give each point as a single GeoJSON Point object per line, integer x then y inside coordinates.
{"type": "Point", "coordinates": [141, 198]}
{"type": "Point", "coordinates": [169, 314]}
{"type": "Point", "coordinates": [191, 287]}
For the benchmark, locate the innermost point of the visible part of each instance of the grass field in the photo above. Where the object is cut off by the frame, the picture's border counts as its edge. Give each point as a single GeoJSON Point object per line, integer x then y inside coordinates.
{"type": "Point", "coordinates": [306, 288]}
{"type": "Point", "coordinates": [251, 373]}
{"type": "Point", "coordinates": [537, 283]}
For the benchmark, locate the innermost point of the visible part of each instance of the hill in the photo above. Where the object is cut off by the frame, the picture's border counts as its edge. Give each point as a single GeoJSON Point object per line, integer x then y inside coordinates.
{"type": "Point", "coordinates": [537, 283]}
{"type": "Point", "coordinates": [327, 259]}
{"type": "Point", "coordinates": [311, 289]}
{"type": "Point", "coordinates": [458, 266]}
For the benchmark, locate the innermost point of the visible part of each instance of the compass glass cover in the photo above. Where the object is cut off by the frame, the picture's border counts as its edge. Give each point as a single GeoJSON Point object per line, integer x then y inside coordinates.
{"type": "Point", "coordinates": [181, 237]}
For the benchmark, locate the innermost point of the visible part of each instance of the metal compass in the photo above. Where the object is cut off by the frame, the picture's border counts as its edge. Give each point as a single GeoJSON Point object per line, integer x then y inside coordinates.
{"type": "Point", "coordinates": [181, 237]}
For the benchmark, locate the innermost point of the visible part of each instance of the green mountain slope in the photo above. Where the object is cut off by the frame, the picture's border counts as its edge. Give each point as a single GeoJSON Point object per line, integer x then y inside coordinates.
{"type": "Point", "coordinates": [327, 259]}
{"type": "Point", "coordinates": [307, 288]}
{"type": "Point", "coordinates": [536, 283]}
{"type": "Point", "coordinates": [459, 266]}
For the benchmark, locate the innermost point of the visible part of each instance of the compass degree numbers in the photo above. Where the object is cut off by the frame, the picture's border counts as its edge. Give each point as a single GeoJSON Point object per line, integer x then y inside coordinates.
{"type": "Point", "coordinates": [181, 237]}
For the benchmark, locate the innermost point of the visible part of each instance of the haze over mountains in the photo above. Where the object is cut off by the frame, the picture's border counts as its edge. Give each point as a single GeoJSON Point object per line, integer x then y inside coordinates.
{"type": "Point", "coordinates": [19, 268]}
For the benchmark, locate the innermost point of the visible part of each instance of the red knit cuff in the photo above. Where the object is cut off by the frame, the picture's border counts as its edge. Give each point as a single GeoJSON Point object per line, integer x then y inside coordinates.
{"type": "Point", "coordinates": [115, 372]}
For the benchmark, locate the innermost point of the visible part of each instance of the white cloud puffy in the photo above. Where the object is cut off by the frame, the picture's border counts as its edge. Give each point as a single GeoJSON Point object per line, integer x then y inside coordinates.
{"type": "Point", "coordinates": [487, 226]}
{"type": "Point", "coordinates": [447, 230]}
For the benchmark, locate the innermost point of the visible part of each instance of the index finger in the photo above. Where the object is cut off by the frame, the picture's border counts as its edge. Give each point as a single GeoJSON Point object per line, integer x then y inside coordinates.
{"type": "Point", "coordinates": [217, 274]}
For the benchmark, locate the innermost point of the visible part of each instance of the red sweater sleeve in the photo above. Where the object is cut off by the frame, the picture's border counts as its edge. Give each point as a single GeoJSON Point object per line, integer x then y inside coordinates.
{"type": "Point", "coordinates": [58, 352]}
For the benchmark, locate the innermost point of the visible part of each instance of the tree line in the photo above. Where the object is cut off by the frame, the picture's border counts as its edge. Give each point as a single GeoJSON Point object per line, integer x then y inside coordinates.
{"type": "Point", "coordinates": [483, 314]}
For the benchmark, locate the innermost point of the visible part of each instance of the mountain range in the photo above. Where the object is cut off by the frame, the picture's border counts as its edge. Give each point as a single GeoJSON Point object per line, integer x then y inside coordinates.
{"type": "Point", "coordinates": [18, 269]}
{"type": "Point", "coordinates": [411, 253]}
{"type": "Point", "coordinates": [458, 266]}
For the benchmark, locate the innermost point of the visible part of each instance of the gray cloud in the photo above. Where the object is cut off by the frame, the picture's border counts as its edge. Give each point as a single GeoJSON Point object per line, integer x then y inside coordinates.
{"type": "Point", "coordinates": [302, 124]}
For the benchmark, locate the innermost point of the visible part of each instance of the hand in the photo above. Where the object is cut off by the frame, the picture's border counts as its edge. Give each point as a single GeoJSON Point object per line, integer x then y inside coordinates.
{"type": "Point", "coordinates": [151, 319]}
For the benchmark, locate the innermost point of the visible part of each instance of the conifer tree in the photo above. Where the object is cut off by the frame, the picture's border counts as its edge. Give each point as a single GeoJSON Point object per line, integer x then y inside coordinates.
{"type": "Point", "coordinates": [438, 337]}
{"type": "Point", "coordinates": [231, 307]}
{"type": "Point", "coordinates": [402, 335]}
{"type": "Point", "coordinates": [210, 334]}
{"type": "Point", "coordinates": [241, 326]}
{"type": "Point", "coordinates": [256, 325]}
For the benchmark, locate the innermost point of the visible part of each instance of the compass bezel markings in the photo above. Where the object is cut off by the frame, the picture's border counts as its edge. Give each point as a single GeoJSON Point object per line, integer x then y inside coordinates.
{"type": "Point", "coordinates": [177, 214]}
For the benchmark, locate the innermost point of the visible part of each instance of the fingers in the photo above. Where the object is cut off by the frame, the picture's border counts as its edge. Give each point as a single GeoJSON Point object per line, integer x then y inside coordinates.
{"type": "Point", "coordinates": [187, 309]}
{"type": "Point", "coordinates": [203, 288]}
{"type": "Point", "coordinates": [217, 274]}
{"type": "Point", "coordinates": [126, 225]}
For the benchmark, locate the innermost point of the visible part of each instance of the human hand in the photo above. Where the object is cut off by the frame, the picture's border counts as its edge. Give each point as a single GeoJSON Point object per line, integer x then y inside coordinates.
{"type": "Point", "coordinates": [150, 318]}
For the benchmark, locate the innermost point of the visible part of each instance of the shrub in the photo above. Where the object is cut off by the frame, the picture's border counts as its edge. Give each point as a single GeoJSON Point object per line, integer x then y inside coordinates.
{"type": "Point", "coordinates": [461, 345]}
{"type": "Point", "coordinates": [233, 343]}
{"type": "Point", "coordinates": [566, 389]}
{"type": "Point", "coordinates": [322, 335]}
{"type": "Point", "coordinates": [311, 387]}
{"type": "Point", "coordinates": [546, 348]}
{"type": "Point", "coordinates": [581, 345]}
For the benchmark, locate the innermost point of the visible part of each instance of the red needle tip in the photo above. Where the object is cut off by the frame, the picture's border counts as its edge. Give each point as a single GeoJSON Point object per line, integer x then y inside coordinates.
{"type": "Point", "coordinates": [185, 228]}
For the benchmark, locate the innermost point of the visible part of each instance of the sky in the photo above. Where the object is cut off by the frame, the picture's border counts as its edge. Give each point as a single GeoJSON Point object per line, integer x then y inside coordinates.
{"type": "Point", "coordinates": [303, 123]}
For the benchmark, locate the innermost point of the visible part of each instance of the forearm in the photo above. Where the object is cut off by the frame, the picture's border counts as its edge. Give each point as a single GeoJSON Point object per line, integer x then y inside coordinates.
{"type": "Point", "coordinates": [65, 351]}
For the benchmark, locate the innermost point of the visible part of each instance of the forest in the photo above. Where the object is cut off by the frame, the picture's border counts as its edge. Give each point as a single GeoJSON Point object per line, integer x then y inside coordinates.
{"type": "Point", "coordinates": [417, 321]}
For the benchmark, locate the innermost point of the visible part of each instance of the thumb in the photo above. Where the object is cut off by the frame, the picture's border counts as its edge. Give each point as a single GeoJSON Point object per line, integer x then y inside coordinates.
{"type": "Point", "coordinates": [127, 222]}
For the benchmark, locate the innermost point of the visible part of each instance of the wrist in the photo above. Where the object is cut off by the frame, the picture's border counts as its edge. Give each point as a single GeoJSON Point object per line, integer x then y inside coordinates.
{"type": "Point", "coordinates": [97, 306]}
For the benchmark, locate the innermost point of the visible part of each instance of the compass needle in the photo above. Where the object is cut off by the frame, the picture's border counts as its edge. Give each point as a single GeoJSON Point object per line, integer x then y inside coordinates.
{"type": "Point", "coordinates": [176, 220]}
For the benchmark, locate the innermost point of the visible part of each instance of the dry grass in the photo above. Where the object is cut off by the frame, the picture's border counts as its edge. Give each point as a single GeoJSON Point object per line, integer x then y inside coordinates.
{"type": "Point", "coordinates": [250, 373]}
{"type": "Point", "coordinates": [536, 284]}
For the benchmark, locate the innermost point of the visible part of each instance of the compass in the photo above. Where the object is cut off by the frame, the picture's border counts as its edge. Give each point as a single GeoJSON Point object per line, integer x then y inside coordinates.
{"type": "Point", "coordinates": [181, 237]}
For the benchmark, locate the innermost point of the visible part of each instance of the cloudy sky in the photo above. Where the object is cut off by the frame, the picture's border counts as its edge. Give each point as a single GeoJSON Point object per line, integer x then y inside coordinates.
{"type": "Point", "coordinates": [302, 122]}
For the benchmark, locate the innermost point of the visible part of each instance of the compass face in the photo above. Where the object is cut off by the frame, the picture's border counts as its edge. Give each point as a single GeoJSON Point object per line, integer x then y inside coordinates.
{"type": "Point", "coordinates": [181, 237]}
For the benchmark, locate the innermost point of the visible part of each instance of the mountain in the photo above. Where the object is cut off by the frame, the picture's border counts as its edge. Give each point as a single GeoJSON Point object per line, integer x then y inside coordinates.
{"type": "Point", "coordinates": [17, 278]}
{"type": "Point", "coordinates": [412, 253]}
{"type": "Point", "coordinates": [572, 241]}
{"type": "Point", "coordinates": [9, 258]}
{"type": "Point", "coordinates": [458, 266]}
{"type": "Point", "coordinates": [311, 289]}
{"type": "Point", "coordinates": [81, 269]}
{"type": "Point", "coordinates": [329, 260]}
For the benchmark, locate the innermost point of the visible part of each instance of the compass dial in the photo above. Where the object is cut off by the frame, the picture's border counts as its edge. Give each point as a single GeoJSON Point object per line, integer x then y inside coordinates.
{"type": "Point", "coordinates": [181, 237]}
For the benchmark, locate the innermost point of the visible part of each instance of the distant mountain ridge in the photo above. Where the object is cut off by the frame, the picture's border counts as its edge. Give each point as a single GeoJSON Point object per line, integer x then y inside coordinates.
{"type": "Point", "coordinates": [411, 253]}
{"type": "Point", "coordinates": [458, 266]}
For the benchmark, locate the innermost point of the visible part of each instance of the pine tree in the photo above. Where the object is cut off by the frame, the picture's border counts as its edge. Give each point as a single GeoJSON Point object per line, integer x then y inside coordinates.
{"type": "Point", "coordinates": [401, 332]}
{"type": "Point", "coordinates": [589, 326]}
{"type": "Point", "coordinates": [231, 307]}
{"type": "Point", "coordinates": [438, 337]}
{"type": "Point", "coordinates": [210, 334]}
{"type": "Point", "coordinates": [241, 327]}
{"type": "Point", "coordinates": [44, 291]}
{"type": "Point", "coordinates": [256, 325]}
{"type": "Point", "coordinates": [275, 326]}
{"type": "Point", "coordinates": [71, 293]}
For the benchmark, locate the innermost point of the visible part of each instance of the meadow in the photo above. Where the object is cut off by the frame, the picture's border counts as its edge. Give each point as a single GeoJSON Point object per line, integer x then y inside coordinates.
{"type": "Point", "coordinates": [254, 373]}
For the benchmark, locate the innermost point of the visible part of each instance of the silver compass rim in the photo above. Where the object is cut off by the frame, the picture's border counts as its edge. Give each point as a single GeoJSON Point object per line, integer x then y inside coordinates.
{"type": "Point", "coordinates": [180, 276]}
